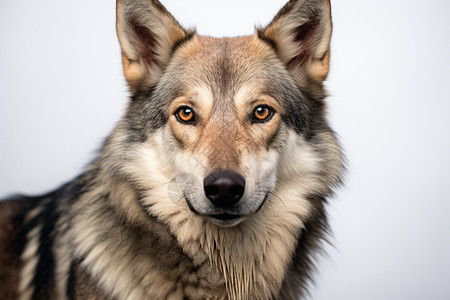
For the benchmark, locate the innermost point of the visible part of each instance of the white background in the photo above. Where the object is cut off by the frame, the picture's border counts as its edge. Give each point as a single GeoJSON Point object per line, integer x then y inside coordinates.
{"type": "Point", "coordinates": [62, 90]}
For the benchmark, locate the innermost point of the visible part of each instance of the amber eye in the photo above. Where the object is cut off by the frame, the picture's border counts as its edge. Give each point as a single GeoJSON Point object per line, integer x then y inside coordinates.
{"type": "Point", "coordinates": [262, 113]}
{"type": "Point", "coordinates": [185, 114]}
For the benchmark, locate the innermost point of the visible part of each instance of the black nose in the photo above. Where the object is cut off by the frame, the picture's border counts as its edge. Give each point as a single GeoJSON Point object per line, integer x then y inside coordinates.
{"type": "Point", "coordinates": [224, 188]}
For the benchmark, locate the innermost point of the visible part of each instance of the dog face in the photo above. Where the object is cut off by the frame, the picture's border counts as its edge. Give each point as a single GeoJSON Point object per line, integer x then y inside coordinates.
{"type": "Point", "coordinates": [233, 116]}
{"type": "Point", "coordinates": [225, 125]}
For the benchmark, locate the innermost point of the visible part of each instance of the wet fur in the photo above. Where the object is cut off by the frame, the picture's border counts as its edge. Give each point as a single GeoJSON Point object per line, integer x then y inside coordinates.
{"type": "Point", "coordinates": [135, 225]}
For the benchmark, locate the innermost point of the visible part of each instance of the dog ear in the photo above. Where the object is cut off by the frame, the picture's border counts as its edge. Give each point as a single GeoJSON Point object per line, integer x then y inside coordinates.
{"type": "Point", "coordinates": [147, 34]}
{"type": "Point", "coordinates": [301, 33]}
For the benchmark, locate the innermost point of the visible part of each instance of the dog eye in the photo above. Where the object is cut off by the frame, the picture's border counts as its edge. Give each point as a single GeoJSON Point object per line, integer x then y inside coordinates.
{"type": "Point", "coordinates": [262, 113]}
{"type": "Point", "coordinates": [185, 115]}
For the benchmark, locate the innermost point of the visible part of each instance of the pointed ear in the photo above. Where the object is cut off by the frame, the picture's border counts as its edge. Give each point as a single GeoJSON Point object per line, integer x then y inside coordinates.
{"type": "Point", "coordinates": [147, 34]}
{"type": "Point", "coordinates": [301, 33]}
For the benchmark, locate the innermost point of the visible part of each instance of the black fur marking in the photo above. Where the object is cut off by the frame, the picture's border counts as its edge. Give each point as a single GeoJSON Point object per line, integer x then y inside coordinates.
{"type": "Point", "coordinates": [317, 117]}
{"type": "Point", "coordinates": [315, 232]}
{"type": "Point", "coordinates": [13, 241]}
{"type": "Point", "coordinates": [71, 282]}
{"type": "Point", "coordinates": [21, 239]}
{"type": "Point", "coordinates": [44, 280]}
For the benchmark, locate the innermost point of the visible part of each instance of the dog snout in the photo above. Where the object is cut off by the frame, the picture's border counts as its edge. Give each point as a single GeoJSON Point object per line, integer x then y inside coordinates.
{"type": "Point", "coordinates": [224, 188]}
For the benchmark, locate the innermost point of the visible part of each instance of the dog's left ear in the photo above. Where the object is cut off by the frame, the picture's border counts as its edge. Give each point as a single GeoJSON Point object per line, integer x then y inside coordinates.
{"type": "Point", "coordinates": [147, 34]}
{"type": "Point", "coordinates": [301, 33]}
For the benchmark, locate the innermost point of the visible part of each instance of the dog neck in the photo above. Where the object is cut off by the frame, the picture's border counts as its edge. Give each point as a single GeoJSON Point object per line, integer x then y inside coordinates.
{"type": "Point", "coordinates": [253, 256]}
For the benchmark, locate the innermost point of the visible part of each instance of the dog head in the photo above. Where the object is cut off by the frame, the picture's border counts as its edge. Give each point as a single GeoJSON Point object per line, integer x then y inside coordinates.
{"type": "Point", "coordinates": [228, 120]}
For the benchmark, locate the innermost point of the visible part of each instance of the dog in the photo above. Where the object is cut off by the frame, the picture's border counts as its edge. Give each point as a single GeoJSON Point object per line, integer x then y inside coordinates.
{"type": "Point", "coordinates": [214, 183]}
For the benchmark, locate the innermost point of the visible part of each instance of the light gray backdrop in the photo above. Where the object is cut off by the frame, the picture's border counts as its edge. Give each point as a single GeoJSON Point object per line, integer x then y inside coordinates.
{"type": "Point", "coordinates": [61, 91]}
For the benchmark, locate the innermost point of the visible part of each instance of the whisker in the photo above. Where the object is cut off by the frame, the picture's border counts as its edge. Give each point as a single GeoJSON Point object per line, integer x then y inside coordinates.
{"type": "Point", "coordinates": [179, 200]}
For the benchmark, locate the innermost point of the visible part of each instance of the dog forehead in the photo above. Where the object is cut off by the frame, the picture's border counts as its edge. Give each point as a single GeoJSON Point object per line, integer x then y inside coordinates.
{"type": "Point", "coordinates": [233, 49]}
{"type": "Point", "coordinates": [224, 64]}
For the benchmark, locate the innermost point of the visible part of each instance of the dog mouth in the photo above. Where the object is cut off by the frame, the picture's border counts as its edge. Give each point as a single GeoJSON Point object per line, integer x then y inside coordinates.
{"type": "Point", "coordinates": [221, 219]}
{"type": "Point", "coordinates": [226, 219]}
{"type": "Point", "coordinates": [225, 216]}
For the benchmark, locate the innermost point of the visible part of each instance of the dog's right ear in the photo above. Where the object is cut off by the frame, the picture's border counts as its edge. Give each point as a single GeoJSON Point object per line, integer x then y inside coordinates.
{"type": "Point", "coordinates": [147, 34]}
